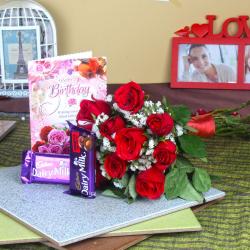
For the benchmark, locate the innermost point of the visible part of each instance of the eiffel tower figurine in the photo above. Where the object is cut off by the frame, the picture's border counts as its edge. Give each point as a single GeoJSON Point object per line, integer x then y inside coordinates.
{"type": "Point", "coordinates": [21, 70]}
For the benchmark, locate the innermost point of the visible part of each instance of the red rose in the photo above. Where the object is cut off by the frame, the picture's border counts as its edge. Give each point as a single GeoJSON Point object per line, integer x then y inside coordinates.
{"type": "Point", "coordinates": [114, 166]}
{"type": "Point", "coordinates": [165, 153]}
{"type": "Point", "coordinates": [89, 108]}
{"type": "Point", "coordinates": [160, 166]}
{"type": "Point", "coordinates": [129, 142]}
{"type": "Point", "coordinates": [44, 133]}
{"type": "Point", "coordinates": [97, 107]}
{"type": "Point", "coordinates": [84, 113]}
{"type": "Point", "coordinates": [111, 126]}
{"type": "Point", "coordinates": [160, 124]}
{"type": "Point", "coordinates": [150, 183]}
{"type": "Point", "coordinates": [130, 97]}
{"type": "Point", "coordinates": [37, 145]}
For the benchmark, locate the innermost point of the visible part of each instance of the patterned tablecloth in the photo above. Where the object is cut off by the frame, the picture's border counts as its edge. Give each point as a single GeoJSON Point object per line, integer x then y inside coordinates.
{"type": "Point", "coordinates": [226, 225]}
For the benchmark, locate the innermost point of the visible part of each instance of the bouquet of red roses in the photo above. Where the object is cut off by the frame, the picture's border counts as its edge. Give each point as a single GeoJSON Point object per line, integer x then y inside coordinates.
{"type": "Point", "coordinates": [143, 146]}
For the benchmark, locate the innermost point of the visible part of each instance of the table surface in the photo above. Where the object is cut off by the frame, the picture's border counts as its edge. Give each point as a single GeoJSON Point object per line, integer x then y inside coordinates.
{"type": "Point", "coordinates": [225, 225]}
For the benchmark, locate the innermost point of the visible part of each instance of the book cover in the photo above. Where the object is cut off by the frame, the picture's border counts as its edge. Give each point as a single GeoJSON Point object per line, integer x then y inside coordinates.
{"type": "Point", "coordinates": [6, 127]}
{"type": "Point", "coordinates": [12, 232]}
{"type": "Point", "coordinates": [57, 86]}
{"type": "Point", "coordinates": [181, 221]}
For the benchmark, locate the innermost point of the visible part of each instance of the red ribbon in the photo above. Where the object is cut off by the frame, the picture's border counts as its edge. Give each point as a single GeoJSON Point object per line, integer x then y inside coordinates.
{"type": "Point", "coordinates": [204, 124]}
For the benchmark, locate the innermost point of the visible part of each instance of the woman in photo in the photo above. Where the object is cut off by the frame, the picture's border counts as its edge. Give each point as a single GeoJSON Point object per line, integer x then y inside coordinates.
{"type": "Point", "coordinates": [204, 69]}
{"type": "Point", "coordinates": [247, 65]}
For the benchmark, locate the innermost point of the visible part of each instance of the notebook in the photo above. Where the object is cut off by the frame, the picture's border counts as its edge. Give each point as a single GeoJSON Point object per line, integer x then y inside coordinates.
{"type": "Point", "coordinates": [6, 127]}
{"type": "Point", "coordinates": [12, 232]}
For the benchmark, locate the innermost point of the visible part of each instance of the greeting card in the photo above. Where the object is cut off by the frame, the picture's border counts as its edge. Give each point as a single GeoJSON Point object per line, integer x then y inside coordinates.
{"type": "Point", "coordinates": [57, 86]}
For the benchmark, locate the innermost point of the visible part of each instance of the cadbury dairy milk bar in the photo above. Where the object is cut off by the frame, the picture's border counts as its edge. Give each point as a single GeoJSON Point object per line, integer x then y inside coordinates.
{"type": "Point", "coordinates": [82, 162]}
{"type": "Point", "coordinates": [44, 168]}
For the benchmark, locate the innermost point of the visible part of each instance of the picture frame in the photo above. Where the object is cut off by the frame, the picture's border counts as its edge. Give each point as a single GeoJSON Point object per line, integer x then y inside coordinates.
{"type": "Point", "coordinates": [18, 45]}
{"type": "Point", "coordinates": [223, 53]}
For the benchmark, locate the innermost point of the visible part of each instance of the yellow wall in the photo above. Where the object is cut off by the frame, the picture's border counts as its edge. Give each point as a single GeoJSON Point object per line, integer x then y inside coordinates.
{"type": "Point", "coordinates": [135, 35]}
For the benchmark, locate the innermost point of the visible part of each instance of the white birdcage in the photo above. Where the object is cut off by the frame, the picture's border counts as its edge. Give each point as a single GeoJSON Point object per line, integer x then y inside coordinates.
{"type": "Point", "coordinates": [24, 13]}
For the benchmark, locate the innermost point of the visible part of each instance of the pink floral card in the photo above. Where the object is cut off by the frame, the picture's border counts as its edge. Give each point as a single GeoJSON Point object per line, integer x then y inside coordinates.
{"type": "Point", "coordinates": [57, 86]}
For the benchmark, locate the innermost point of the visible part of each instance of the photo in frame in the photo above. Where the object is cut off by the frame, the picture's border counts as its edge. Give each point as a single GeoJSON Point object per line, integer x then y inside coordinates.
{"type": "Point", "coordinates": [229, 58]}
{"type": "Point", "coordinates": [204, 59]}
{"type": "Point", "coordinates": [18, 45]}
{"type": "Point", "coordinates": [247, 64]}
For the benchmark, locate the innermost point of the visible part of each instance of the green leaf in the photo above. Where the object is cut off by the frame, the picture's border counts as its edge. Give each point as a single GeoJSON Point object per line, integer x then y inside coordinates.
{"type": "Point", "coordinates": [164, 101]}
{"type": "Point", "coordinates": [184, 164]}
{"type": "Point", "coordinates": [191, 129]}
{"type": "Point", "coordinates": [131, 187]}
{"type": "Point", "coordinates": [178, 184]}
{"type": "Point", "coordinates": [201, 180]}
{"type": "Point", "coordinates": [204, 159]}
{"type": "Point", "coordinates": [126, 191]}
{"type": "Point", "coordinates": [189, 193]}
{"type": "Point", "coordinates": [93, 116]}
{"type": "Point", "coordinates": [111, 193]}
{"type": "Point", "coordinates": [181, 114]}
{"type": "Point", "coordinates": [193, 146]}
{"type": "Point", "coordinates": [166, 105]}
{"type": "Point", "coordinates": [173, 183]}
{"type": "Point", "coordinates": [123, 181]}
{"type": "Point", "coordinates": [130, 200]}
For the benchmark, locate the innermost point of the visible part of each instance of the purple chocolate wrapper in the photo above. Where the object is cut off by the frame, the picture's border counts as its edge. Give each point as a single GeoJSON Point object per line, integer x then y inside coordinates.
{"type": "Point", "coordinates": [26, 166]}
{"type": "Point", "coordinates": [44, 168]}
{"type": "Point", "coordinates": [82, 162]}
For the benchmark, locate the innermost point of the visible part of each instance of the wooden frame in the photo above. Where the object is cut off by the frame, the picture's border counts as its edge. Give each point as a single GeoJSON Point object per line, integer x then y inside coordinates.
{"type": "Point", "coordinates": [241, 45]}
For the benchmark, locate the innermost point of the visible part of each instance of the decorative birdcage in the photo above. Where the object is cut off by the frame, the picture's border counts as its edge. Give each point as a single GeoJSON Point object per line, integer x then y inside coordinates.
{"type": "Point", "coordinates": [18, 14]}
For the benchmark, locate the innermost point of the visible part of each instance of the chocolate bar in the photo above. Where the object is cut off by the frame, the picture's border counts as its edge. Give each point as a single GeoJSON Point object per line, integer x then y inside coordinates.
{"type": "Point", "coordinates": [44, 168]}
{"type": "Point", "coordinates": [82, 162]}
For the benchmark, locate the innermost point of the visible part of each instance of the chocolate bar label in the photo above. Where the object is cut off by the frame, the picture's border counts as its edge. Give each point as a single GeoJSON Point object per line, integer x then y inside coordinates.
{"type": "Point", "coordinates": [84, 179]}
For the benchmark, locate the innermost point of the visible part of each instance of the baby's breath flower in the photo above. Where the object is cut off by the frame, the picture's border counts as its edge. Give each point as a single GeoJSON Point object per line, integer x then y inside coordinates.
{"type": "Point", "coordinates": [98, 135]}
{"type": "Point", "coordinates": [133, 168]}
{"type": "Point", "coordinates": [98, 155]}
{"type": "Point", "coordinates": [115, 106]}
{"type": "Point", "coordinates": [179, 130]}
{"type": "Point", "coordinates": [151, 143]}
{"type": "Point", "coordinates": [146, 104]}
{"type": "Point", "coordinates": [112, 149]}
{"type": "Point", "coordinates": [170, 137]}
{"type": "Point", "coordinates": [141, 168]}
{"type": "Point", "coordinates": [101, 118]}
{"type": "Point", "coordinates": [117, 184]}
{"type": "Point", "coordinates": [160, 111]}
{"type": "Point", "coordinates": [109, 98]}
{"type": "Point", "coordinates": [143, 161]}
{"type": "Point", "coordinates": [149, 152]}
{"type": "Point", "coordinates": [104, 173]}
{"type": "Point", "coordinates": [158, 104]}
